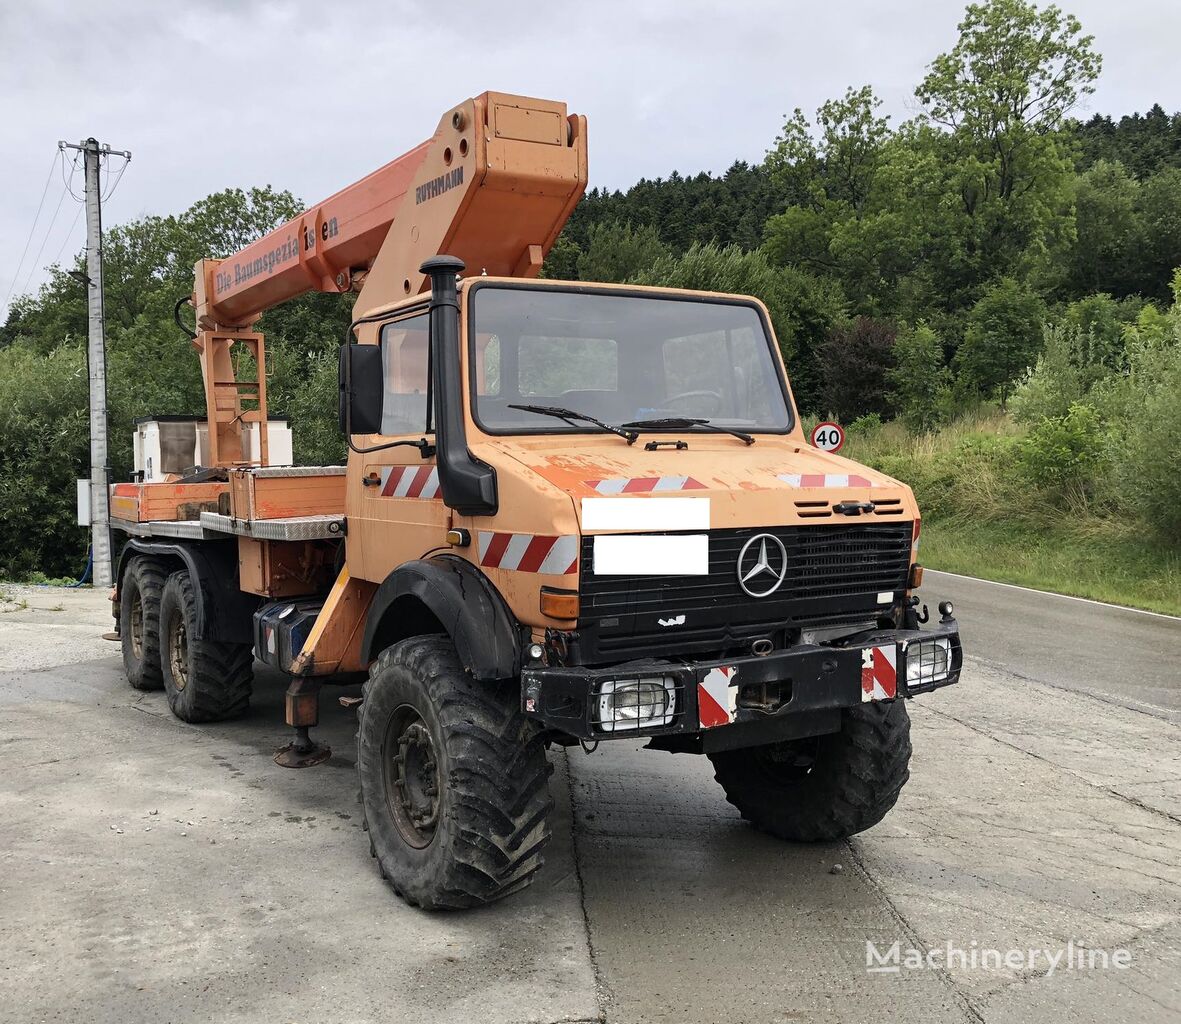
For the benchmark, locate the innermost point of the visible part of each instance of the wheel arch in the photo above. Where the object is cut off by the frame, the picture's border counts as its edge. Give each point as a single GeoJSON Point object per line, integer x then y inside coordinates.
{"type": "Point", "coordinates": [448, 595]}
{"type": "Point", "coordinates": [224, 612]}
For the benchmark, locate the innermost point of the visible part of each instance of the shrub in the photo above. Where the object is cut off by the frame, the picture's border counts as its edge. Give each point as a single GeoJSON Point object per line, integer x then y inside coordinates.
{"type": "Point", "coordinates": [44, 448]}
{"type": "Point", "coordinates": [867, 426]}
{"type": "Point", "coordinates": [1056, 381]}
{"type": "Point", "coordinates": [1065, 450]}
{"type": "Point", "coordinates": [1142, 410]}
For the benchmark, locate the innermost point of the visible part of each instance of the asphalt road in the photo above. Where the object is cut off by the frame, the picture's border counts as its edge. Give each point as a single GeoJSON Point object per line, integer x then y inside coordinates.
{"type": "Point", "coordinates": [157, 871]}
{"type": "Point", "coordinates": [1121, 655]}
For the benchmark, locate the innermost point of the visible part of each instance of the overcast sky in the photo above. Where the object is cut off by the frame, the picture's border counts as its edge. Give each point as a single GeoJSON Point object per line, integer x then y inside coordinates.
{"type": "Point", "coordinates": [310, 96]}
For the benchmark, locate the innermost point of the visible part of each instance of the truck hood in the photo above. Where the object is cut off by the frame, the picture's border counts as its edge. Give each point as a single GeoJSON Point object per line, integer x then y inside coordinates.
{"type": "Point", "coordinates": [776, 481]}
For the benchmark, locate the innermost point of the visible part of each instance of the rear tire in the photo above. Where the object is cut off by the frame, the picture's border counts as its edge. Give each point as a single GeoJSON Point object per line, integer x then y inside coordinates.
{"type": "Point", "coordinates": [454, 780]}
{"type": "Point", "coordinates": [139, 622]}
{"type": "Point", "coordinates": [824, 788]}
{"type": "Point", "coordinates": [205, 680]}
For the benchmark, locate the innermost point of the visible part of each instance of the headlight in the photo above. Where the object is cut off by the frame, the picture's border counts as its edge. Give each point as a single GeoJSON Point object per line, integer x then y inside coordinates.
{"type": "Point", "coordinates": [636, 703]}
{"type": "Point", "coordinates": [928, 661]}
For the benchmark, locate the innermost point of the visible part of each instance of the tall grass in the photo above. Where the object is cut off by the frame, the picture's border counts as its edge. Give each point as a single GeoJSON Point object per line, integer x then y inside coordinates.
{"type": "Point", "coordinates": [986, 514]}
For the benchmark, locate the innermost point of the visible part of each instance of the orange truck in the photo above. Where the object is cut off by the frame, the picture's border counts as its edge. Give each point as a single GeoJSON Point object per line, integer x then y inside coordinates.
{"type": "Point", "coordinates": [570, 513]}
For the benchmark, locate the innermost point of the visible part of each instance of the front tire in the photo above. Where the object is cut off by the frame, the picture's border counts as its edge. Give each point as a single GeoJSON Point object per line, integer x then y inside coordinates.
{"type": "Point", "coordinates": [205, 680]}
{"type": "Point", "coordinates": [827, 787]}
{"type": "Point", "coordinates": [454, 780]}
{"type": "Point", "coordinates": [139, 622]}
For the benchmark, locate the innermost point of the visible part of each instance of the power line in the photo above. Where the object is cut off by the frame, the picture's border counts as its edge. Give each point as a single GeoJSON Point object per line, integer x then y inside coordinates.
{"type": "Point", "coordinates": [118, 177]}
{"type": "Point", "coordinates": [17, 273]}
{"type": "Point", "coordinates": [48, 232]}
{"type": "Point", "coordinates": [70, 182]}
{"type": "Point", "coordinates": [69, 234]}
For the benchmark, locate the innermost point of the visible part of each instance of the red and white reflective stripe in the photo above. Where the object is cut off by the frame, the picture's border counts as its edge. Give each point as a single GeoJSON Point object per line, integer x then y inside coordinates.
{"type": "Point", "coordinates": [825, 480]}
{"type": "Point", "coordinates": [526, 552]}
{"type": "Point", "coordinates": [879, 673]}
{"type": "Point", "coordinates": [409, 482]}
{"type": "Point", "coordinates": [716, 697]}
{"type": "Point", "coordinates": [644, 484]}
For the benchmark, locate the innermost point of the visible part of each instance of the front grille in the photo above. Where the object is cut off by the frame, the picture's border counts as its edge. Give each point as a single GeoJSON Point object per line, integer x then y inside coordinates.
{"type": "Point", "coordinates": [834, 576]}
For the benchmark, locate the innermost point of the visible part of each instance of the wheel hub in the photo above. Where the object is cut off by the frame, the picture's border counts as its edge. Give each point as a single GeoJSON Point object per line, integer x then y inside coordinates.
{"type": "Point", "coordinates": [178, 652]}
{"type": "Point", "coordinates": [137, 625]}
{"type": "Point", "coordinates": [412, 777]}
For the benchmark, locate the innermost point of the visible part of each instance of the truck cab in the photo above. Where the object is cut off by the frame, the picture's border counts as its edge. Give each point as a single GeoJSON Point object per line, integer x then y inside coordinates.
{"type": "Point", "coordinates": [649, 503]}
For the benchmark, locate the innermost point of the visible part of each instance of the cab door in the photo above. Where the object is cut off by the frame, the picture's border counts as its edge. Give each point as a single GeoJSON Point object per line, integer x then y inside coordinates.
{"type": "Point", "coordinates": [402, 515]}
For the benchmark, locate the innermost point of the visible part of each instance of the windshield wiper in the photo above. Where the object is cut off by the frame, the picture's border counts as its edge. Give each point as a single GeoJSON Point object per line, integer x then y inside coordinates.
{"type": "Point", "coordinates": [684, 423]}
{"type": "Point", "coordinates": [574, 418]}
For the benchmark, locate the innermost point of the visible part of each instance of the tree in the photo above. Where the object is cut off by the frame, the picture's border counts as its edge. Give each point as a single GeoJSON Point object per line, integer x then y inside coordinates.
{"type": "Point", "coordinates": [1160, 213]}
{"type": "Point", "coordinates": [1106, 253]}
{"type": "Point", "coordinates": [1015, 71]}
{"type": "Point", "coordinates": [920, 380]}
{"type": "Point", "coordinates": [562, 262]}
{"type": "Point", "coordinates": [855, 363]}
{"type": "Point", "coordinates": [827, 171]}
{"type": "Point", "coordinates": [835, 162]}
{"type": "Point", "coordinates": [1145, 144]}
{"type": "Point", "coordinates": [728, 209]}
{"type": "Point", "coordinates": [616, 251]}
{"type": "Point", "coordinates": [1001, 96]}
{"type": "Point", "coordinates": [44, 447]}
{"type": "Point", "coordinates": [1002, 340]}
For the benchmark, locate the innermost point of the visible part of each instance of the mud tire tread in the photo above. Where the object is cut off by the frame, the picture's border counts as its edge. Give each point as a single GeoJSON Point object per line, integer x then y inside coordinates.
{"type": "Point", "coordinates": [147, 576]}
{"type": "Point", "coordinates": [221, 675]}
{"type": "Point", "coordinates": [494, 821]}
{"type": "Point", "coordinates": [855, 781]}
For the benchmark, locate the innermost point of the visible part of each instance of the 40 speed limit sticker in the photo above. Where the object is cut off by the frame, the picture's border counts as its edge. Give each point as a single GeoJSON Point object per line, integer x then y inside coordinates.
{"type": "Point", "coordinates": [828, 437]}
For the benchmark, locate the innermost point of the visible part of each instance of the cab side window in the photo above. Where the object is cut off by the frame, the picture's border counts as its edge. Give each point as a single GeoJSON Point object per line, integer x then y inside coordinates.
{"type": "Point", "coordinates": [404, 370]}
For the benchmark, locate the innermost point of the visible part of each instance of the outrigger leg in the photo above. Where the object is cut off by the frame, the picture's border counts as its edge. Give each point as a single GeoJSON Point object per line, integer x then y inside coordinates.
{"type": "Point", "coordinates": [303, 711]}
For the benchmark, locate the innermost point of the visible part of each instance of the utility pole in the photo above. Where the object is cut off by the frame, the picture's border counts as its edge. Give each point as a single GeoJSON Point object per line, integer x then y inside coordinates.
{"type": "Point", "coordinates": [100, 527]}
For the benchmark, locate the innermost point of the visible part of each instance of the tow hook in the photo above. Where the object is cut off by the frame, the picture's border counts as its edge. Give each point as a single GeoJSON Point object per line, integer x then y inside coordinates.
{"type": "Point", "coordinates": [854, 508]}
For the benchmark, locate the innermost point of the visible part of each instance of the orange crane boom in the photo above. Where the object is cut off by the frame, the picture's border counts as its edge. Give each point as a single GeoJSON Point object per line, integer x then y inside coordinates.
{"type": "Point", "coordinates": [494, 186]}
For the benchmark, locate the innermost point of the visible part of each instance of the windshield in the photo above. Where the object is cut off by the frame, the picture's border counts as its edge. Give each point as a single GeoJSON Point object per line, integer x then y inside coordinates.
{"type": "Point", "coordinates": [620, 358]}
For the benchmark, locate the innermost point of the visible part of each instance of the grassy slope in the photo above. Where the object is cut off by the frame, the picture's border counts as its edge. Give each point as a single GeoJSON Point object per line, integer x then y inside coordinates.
{"type": "Point", "coordinates": [1122, 570]}
{"type": "Point", "coordinates": [981, 519]}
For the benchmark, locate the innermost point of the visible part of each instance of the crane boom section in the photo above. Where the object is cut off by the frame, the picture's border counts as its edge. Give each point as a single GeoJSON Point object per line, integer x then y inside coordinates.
{"type": "Point", "coordinates": [494, 185]}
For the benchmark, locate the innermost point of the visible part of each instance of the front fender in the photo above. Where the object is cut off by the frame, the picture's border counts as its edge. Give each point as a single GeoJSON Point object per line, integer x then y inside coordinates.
{"type": "Point", "coordinates": [487, 637]}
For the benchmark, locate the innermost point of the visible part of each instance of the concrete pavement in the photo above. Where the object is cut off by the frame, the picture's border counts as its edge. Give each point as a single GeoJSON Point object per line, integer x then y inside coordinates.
{"type": "Point", "coordinates": [156, 871]}
{"type": "Point", "coordinates": [1038, 812]}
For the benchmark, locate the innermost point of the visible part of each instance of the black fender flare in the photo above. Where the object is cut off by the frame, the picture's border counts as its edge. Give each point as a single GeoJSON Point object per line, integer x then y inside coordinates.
{"type": "Point", "coordinates": [486, 634]}
{"type": "Point", "coordinates": [224, 612]}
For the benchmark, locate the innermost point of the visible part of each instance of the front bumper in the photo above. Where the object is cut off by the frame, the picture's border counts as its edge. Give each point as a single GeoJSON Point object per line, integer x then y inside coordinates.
{"type": "Point", "coordinates": [743, 701]}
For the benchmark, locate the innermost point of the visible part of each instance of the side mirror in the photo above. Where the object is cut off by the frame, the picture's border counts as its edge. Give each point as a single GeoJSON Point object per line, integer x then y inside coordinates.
{"type": "Point", "coordinates": [360, 380]}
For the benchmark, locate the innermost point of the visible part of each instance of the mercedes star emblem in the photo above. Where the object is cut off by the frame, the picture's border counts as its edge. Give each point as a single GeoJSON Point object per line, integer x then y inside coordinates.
{"type": "Point", "coordinates": [762, 564]}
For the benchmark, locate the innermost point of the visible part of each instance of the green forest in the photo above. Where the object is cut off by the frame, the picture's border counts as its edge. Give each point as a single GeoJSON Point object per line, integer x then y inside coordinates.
{"type": "Point", "coordinates": [987, 295]}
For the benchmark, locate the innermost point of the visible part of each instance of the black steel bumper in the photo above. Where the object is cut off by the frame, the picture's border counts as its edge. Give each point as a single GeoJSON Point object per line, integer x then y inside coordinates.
{"type": "Point", "coordinates": [787, 694]}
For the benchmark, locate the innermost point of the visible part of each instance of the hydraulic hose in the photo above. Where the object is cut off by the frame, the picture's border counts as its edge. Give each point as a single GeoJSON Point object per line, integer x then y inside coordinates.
{"type": "Point", "coordinates": [176, 316]}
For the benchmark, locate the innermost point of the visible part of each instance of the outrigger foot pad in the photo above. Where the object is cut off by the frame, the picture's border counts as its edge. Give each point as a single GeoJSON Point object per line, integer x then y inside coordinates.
{"type": "Point", "coordinates": [302, 752]}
